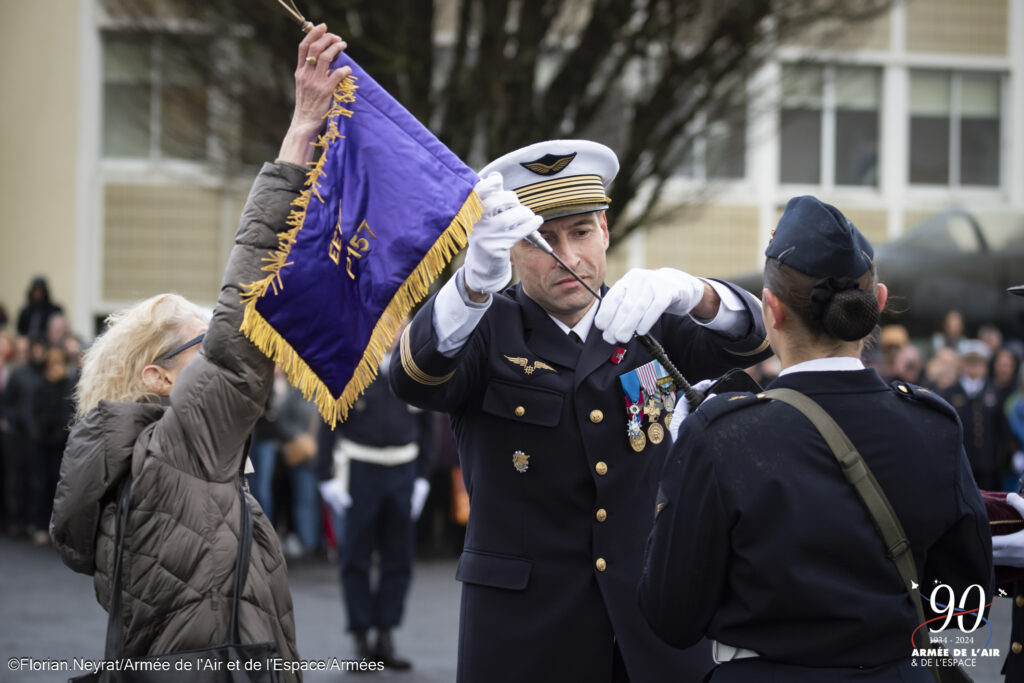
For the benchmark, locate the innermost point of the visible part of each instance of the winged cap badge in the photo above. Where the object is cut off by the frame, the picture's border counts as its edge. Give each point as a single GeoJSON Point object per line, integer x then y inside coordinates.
{"type": "Point", "coordinates": [528, 367]}
{"type": "Point", "coordinates": [549, 164]}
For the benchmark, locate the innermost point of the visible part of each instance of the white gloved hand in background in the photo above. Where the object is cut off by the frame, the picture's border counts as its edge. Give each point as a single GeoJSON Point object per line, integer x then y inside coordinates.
{"type": "Point", "coordinates": [1008, 550]}
{"type": "Point", "coordinates": [640, 297]}
{"type": "Point", "coordinates": [420, 489]}
{"type": "Point", "coordinates": [505, 221]}
{"type": "Point", "coordinates": [335, 493]}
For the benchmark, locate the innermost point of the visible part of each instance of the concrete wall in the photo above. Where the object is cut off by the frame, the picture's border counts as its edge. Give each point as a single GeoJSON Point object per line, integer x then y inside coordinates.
{"type": "Point", "coordinates": [38, 148]}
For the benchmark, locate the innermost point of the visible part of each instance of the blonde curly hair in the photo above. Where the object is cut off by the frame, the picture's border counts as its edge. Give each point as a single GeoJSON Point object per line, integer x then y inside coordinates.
{"type": "Point", "coordinates": [135, 337]}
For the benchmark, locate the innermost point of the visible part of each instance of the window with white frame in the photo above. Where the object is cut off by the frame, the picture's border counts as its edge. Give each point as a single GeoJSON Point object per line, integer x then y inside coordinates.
{"type": "Point", "coordinates": [955, 127]}
{"type": "Point", "coordinates": [717, 150]}
{"type": "Point", "coordinates": [155, 97]}
{"type": "Point", "coordinates": [829, 125]}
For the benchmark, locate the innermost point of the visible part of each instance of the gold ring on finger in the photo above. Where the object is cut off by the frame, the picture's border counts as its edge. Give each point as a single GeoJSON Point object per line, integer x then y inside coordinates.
{"type": "Point", "coordinates": [311, 61]}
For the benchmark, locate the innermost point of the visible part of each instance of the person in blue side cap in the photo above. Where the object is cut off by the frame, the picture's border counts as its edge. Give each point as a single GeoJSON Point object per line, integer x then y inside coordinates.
{"type": "Point", "coordinates": [760, 542]}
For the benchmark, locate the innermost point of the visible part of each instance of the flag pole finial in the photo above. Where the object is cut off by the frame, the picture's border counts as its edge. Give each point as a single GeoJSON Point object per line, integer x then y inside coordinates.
{"type": "Point", "coordinates": [295, 14]}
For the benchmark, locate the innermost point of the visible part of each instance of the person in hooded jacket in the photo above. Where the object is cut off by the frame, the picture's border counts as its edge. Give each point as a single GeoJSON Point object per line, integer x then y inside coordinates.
{"type": "Point", "coordinates": [173, 400]}
{"type": "Point", "coordinates": [35, 314]}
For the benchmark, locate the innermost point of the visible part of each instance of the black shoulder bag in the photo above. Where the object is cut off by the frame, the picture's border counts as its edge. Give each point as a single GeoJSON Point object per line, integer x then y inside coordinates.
{"type": "Point", "coordinates": [231, 662]}
{"type": "Point", "coordinates": [871, 494]}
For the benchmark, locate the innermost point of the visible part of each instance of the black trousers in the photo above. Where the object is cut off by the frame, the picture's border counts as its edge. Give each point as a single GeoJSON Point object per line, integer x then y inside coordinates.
{"type": "Point", "coordinates": [380, 519]}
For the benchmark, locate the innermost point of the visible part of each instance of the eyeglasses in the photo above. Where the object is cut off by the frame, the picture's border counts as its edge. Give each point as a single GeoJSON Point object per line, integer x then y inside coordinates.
{"type": "Point", "coordinates": [174, 352]}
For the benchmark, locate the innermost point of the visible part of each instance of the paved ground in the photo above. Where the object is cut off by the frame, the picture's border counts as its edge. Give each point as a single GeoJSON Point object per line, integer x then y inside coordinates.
{"type": "Point", "coordinates": [50, 613]}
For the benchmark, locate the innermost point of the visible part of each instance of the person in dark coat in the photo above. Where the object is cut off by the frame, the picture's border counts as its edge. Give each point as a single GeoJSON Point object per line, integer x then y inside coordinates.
{"type": "Point", "coordinates": [384, 448]}
{"type": "Point", "coordinates": [986, 431]}
{"type": "Point", "coordinates": [21, 438]}
{"type": "Point", "coordinates": [760, 542]}
{"type": "Point", "coordinates": [561, 420]}
{"type": "Point", "coordinates": [54, 408]}
{"type": "Point", "coordinates": [35, 314]}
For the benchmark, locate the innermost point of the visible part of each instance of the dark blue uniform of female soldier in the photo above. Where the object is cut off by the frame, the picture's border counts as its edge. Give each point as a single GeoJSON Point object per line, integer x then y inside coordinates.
{"type": "Point", "coordinates": [760, 542]}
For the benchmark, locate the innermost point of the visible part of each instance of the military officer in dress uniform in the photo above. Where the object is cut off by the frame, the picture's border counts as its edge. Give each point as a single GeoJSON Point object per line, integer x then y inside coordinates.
{"type": "Point", "coordinates": [785, 569]}
{"type": "Point", "coordinates": [561, 419]}
{"type": "Point", "coordinates": [1008, 550]}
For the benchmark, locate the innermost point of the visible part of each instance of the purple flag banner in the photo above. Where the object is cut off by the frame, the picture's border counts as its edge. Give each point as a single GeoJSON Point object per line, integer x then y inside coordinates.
{"type": "Point", "coordinates": [385, 208]}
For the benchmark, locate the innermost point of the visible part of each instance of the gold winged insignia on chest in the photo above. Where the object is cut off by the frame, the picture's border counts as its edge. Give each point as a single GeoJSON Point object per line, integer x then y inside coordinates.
{"type": "Point", "coordinates": [528, 367]}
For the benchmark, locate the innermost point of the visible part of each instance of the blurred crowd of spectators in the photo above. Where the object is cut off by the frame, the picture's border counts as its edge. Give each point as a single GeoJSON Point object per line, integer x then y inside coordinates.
{"type": "Point", "coordinates": [980, 376]}
{"type": "Point", "coordinates": [40, 358]}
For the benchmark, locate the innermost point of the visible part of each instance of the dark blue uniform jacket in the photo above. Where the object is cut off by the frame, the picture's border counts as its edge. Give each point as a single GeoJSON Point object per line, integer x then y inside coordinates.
{"type": "Point", "coordinates": [761, 543]}
{"type": "Point", "coordinates": [552, 553]}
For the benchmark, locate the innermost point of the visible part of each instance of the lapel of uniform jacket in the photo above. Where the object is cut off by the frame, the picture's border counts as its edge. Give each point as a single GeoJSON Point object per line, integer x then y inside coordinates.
{"type": "Point", "coordinates": [597, 352]}
{"type": "Point", "coordinates": [543, 336]}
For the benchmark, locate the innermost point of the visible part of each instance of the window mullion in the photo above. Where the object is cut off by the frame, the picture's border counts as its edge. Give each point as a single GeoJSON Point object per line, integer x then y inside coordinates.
{"type": "Point", "coordinates": [954, 130]}
{"type": "Point", "coordinates": [828, 129]}
{"type": "Point", "coordinates": [155, 98]}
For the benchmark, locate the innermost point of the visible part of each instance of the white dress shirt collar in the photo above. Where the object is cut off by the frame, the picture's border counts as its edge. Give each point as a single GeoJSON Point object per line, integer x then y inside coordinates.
{"type": "Point", "coordinates": [825, 365]}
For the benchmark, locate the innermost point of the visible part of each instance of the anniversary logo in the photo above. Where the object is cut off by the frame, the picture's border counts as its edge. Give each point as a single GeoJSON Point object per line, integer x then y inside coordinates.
{"type": "Point", "coordinates": [934, 647]}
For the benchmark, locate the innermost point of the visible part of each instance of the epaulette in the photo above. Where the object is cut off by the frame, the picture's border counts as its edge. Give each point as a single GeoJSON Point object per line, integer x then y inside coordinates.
{"type": "Point", "coordinates": [726, 403]}
{"type": "Point", "coordinates": [913, 392]}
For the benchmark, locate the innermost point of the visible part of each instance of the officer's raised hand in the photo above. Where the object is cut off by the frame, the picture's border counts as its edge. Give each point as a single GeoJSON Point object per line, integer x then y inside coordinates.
{"type": "Point", "coordinates": [505, 221]}
{"type": "Point", "coordinates": [640, 297]}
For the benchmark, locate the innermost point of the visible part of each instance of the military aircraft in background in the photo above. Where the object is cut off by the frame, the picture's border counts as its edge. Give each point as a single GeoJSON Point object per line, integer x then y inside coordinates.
{"type": "Point", "coordinates": [949, 261]}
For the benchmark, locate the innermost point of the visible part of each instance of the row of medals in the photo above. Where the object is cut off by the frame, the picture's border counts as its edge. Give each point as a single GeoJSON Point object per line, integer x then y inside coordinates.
{"type": "Point", "coordinates": [659, 405]}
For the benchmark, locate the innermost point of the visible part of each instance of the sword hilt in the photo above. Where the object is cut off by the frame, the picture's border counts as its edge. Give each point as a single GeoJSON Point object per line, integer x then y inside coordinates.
{"type": "Point", "coordinates": [693, 397]}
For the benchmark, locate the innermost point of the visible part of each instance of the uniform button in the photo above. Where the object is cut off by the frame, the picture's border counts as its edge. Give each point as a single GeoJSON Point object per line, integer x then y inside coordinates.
{"type": "Point", "coordinates": [601, 515]}
{"type": "Point", "coordinates": [520, 411]}
{"type": "Point", "coordinates": [602, 565]}
{"type": "Point", "coordinates": [601, 468]}
{"type": "Point", "coordinates": [1016, 648]}
{"type": "Point", "coordinates": [1019, 601]}
{"type": "Point", "coordinates": [596, 416]}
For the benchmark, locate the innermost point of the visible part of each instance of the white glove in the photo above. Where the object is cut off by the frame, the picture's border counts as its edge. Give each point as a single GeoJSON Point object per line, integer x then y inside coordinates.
{"type": "Point", "coordinates": [505, 221]}
{"type": "Point", "coordinates": [1008, 550]}
{"type": "Point", "coordinates": [420, 489]}
{"type": "Point", "coordinates": [683, 407]}
{"type": "Point", "coordinates": [335, 494]}
{"type": "Point", "coordinates": [640, 297]}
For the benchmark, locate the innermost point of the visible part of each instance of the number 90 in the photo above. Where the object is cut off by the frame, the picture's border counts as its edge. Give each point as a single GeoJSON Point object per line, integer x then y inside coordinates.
{"type": "Point", "coordinates": [950, 610]}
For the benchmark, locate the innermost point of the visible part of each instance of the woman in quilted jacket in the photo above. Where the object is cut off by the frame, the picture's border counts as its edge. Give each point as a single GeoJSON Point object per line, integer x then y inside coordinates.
{"type": "Point", "coordinates": [174, 399]}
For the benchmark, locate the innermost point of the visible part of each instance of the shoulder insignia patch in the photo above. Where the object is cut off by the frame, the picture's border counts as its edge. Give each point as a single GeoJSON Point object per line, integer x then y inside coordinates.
{"type": "Point", "coordinates": [723, 404]}
{"type": "Point", "coordinates": [527, 366]}
{"type": "Point", "coordinates": [928, 397]}
{"type": "Point", "coordinates": [549, 164]}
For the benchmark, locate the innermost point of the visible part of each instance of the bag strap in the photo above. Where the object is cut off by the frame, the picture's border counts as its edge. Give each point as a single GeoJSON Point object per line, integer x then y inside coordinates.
{"type": "Point", "coordinates": [241, 566]}
{"type": "Point", "coordinates": [115, 627]}
{"type": "Point", "coordinates": [864, 483]}
{"type": "Point", "coordinates": [114, 649]}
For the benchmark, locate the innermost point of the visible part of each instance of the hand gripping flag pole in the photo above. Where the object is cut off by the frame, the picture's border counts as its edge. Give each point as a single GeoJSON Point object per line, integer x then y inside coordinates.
{"type": "Point", "coordinates": [384, 209]}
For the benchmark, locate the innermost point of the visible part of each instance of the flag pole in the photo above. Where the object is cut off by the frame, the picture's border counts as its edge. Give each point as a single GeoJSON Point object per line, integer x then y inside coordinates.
{"type": "Point", "coordinates": [295, 14]}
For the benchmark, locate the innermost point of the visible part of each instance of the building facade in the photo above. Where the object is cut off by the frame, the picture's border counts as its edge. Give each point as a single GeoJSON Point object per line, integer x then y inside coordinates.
{"type": "Point", "coordinates": [115, 188]}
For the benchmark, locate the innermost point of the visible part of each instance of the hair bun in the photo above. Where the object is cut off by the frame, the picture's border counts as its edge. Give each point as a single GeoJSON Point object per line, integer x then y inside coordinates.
{"type": "Point", "coordinates": [850, 315]}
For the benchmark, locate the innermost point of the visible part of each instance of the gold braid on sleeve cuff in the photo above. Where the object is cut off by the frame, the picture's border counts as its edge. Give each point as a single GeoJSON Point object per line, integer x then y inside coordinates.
{"type": "Point", "coordinates": [413, 370]}
{"type": "Point", "coordinates": [759, 349]}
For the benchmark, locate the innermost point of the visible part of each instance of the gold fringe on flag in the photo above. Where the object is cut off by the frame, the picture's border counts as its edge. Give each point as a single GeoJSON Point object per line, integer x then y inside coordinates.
{"type": "Point", "coordinates": [415, 288]}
